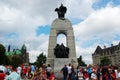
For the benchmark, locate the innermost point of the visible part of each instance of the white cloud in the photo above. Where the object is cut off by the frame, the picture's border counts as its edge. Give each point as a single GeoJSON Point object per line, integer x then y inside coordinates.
{"type": "Point", "coordinates": [101, 25]}
{"type": "Point", "coordinates": [61, 39]}
{"type": "Point", "coordinates": [86, 53]}
{"type": "Point", "coordinates": [33, 55]}
{"type": "Point", "coordinates": [79, 9]}
{"type": "Point", "coordinates": [24, 16]}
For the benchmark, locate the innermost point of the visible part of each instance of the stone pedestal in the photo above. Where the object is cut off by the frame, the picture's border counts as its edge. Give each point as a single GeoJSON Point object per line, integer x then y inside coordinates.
{"type": "Point", "coordinates": [60, 62]}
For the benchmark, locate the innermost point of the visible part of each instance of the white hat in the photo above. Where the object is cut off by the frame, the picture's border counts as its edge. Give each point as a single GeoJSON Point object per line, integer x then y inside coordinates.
{"type": "Point", "coordinates": [2, 68]}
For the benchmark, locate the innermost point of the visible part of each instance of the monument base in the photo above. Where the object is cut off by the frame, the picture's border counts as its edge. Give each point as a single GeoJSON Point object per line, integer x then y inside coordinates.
{"type": "Point", "coordinates": [60, 62]}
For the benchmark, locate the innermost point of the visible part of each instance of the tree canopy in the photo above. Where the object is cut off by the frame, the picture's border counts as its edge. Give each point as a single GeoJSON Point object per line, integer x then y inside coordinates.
{"type": "Point", "coordinates": [41, 59]}
{"type": "Point", "coordinates": [3, 58]}
{"type": "Point", "coordinates": [2, 50]}
{"type": "Point", "coordinates": [105, 61]}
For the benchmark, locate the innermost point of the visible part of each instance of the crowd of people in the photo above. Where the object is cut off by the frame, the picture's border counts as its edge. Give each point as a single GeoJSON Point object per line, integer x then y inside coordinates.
{"type": "Point", "coordinates": [23, 72]}
{"type": "Point", "coordinates": [70, 72]}
{"type": "Point", "coordinates": [91, 72]}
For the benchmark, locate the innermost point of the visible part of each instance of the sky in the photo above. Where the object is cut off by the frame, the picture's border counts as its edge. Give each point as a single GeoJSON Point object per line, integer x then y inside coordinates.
{"type": "Point", "coordinates": [94, 22]}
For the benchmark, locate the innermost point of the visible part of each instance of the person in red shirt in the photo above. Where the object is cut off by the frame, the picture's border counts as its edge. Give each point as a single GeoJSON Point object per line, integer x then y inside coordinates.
{"type": "Point", "coordinates": [85, 75]}
{"type": "Point", "coordinates": [24, 70]}
{"type": "Point", "coordinates": [52, 76]}
{"type": "Point", "coordinates": [113, 75]}
{"type": "Point", "coordinates": [2, 75]}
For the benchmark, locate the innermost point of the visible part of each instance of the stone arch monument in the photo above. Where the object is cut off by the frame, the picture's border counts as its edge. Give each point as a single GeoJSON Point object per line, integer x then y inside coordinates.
{"type": "Point", "coordinates": [61, 26]}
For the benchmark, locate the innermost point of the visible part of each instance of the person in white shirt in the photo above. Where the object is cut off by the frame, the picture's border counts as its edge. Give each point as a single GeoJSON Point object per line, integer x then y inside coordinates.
{"type": "Point", "coordinates": [48, 70]}
{"type": "Point", "coordinates": [19, 69]}
{"type": "Point", "coordinates": [116, 72]}
{"type": "Point", "coordinates": [119, 74]}
{"type": "Point", "coordinates": [93, 75]}
{"type": "Point", "coordinates": [69, 70]}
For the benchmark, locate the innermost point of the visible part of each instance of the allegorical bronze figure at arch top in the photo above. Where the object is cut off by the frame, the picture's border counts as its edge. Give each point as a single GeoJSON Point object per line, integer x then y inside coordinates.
{"type": "Point", "coordinates": [61, 12]}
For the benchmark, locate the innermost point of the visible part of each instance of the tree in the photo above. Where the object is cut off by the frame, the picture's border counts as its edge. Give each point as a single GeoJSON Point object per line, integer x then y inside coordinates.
{"type": "Point", "coordinates": [81, 62]}
{"type": "Point", "coordinates": [16, 60]}
{"type": "Point", "coordinates": [105, 61]}
{"type": "Point", "coordinates": [2, 50]}
{"type": "Point", "coordinates": [40, 60]}
{"type": "Point", "coordinates": [3, 58]}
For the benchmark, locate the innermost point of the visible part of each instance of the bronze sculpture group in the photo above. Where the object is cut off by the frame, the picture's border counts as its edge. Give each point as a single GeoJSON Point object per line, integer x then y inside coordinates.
{"type": "Point", "coordinates": [60, 51]}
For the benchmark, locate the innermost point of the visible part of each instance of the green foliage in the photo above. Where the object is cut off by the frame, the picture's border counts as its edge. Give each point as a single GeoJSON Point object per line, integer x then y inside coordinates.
{"type": "Point", "coordinates": [16, 60]}
{"type": "Point", "coordinates": [105, 61]}
{"type": "Point", "coordinates": [2, 50]}
{"type": "Point", "coordinates": [40, 60]}
{"type": "Point", "coordinates": [3, 58]}
{"type": "Point", "coordinates": [81, 62]}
